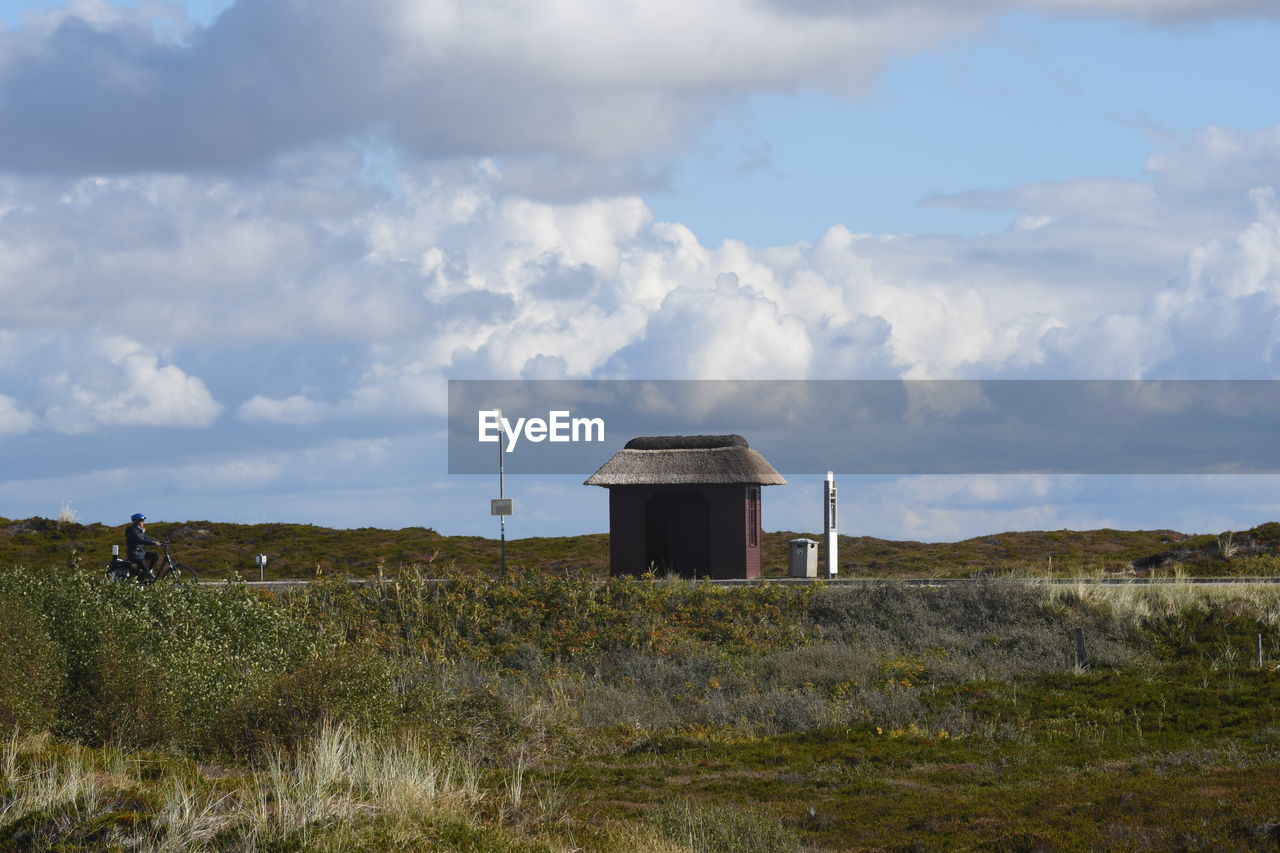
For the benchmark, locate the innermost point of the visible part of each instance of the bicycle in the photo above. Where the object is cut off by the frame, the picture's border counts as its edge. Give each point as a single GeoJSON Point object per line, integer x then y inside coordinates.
{"type": "Point", "coordinates": [167, 570]}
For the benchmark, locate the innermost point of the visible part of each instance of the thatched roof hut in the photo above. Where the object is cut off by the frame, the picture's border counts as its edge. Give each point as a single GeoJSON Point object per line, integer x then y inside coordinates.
{"type": "Point", "coordinates": [688, 504]}
{"type": "Point", "coordinates": [686, 459]}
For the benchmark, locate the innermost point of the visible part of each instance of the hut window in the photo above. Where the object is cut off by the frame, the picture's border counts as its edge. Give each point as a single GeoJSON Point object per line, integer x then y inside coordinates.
{"type": "Point", "coordinates": [753, 516]}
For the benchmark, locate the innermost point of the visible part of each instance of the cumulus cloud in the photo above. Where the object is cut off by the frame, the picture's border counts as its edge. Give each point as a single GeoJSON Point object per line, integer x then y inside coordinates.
{"type": "Point", "coordinates": [301, 298]}
{"type": "Point", "coordinates": [14, 419]}
{"type": "Point", "coordinates": [314, 215]}
{"type": "Point", "coordinates": [726, 331]}
{"type": "Point", "coordinates": [1217, 317]}
{"type": "Point", "coordinates": [121, 383]}
{"type": "Point", "coordinates": [438, 271]}
{"type": "Point", "coordinates": [93, 88]}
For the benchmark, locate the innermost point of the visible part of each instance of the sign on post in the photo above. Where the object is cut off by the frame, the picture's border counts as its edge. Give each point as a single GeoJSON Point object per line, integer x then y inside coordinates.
{"type": "Point", "coordinates": [500, 506]}
{"type": "Point", "coordinates": [262, 566]}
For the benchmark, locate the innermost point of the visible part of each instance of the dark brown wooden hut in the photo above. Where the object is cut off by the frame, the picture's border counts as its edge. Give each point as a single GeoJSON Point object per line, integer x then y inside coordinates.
{"type": "Point", "coordinates": [686, 504]}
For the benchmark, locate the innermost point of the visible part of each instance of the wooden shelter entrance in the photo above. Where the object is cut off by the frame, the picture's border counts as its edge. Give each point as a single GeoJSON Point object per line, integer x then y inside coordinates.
{"type": "Point", "coordinates": [677, 534]}
{"type": "Point", "coordinates": [687, 505]}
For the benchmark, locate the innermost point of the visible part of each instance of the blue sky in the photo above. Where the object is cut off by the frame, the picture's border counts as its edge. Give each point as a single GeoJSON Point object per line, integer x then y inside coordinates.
{"type": "Point", "coordinates": [1030, 98]}
{"type": "Point", "coordinates": [244, 245]}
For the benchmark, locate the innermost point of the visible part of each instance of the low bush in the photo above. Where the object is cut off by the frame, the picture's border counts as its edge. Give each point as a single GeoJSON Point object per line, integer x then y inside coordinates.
{"type": "Point", "coordinates": [150, 666]}
{"type": "Point", "coordinates": [537, 619]}
{"type": "Point", "coordinates": [347, 685]}
{"type": "Point", "coordinates": [30, 669]}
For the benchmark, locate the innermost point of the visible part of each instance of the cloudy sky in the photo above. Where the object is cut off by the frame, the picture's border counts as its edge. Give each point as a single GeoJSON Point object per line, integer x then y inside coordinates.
{"type": "Point", "coordinates": [243, 245]}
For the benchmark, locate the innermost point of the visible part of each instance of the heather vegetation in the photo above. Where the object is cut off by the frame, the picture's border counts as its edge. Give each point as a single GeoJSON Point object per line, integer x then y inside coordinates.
{"type": "Point", "coordinates": [222, 550]}
{"type": "Point", "coordinates": [446, 710]}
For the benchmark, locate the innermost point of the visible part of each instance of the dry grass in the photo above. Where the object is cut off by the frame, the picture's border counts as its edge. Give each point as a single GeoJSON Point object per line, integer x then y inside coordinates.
{"type": "Point", "coordinates": [340, 779]}
{"type": "Point", "coordinates": [67, 514]}
{"type": "Point", "coordinates": [1142, 603]}
{"type": "Point", "coordinates": [69, 780]}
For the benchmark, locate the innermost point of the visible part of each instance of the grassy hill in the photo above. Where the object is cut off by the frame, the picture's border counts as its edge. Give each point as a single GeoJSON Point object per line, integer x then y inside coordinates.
{"type": "Point", "coordinates": [218, 549]}
{"type": "Point", "coordinates": [538, 714]}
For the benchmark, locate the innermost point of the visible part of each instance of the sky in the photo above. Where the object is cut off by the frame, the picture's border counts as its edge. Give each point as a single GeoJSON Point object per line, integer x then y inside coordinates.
{"type": "Point", "coordinates": [244, 245]}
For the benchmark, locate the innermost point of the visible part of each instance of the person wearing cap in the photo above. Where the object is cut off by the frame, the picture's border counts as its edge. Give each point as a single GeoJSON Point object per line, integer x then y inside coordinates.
{"type": "Point", "coordinates": [136, 541]}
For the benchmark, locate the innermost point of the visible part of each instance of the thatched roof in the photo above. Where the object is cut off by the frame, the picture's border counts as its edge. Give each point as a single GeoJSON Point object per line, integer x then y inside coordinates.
{"type": "Point", "coordinates": [665, 460]}
{"type": "Point", "coordinates": [685, 442]}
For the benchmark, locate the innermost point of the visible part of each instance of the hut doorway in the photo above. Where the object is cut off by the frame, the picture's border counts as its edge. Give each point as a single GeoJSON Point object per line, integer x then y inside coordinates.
{"type": "Point", "coordinates": [677, 534]}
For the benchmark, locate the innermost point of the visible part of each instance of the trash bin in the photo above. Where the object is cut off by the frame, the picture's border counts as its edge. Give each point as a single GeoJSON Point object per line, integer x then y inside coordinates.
{"type": "Point", "coordinates": [804, 558]}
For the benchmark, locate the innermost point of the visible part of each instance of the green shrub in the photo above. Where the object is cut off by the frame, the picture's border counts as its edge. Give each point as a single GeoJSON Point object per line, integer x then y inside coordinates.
{"type": "Point", "coordinates": [30, 669]}
{"type": "Point", "coordinates": [473, 711]}
{"type": "Point", "coordinates": [344, 685]}
{"type": "Point", "coordinates": [995, 629]}
{"type": "Point", "coordinates": [1269, 531]}
{"type": "Point", "coordinates": [153, 666]}
{"type": "Point", "coordinates": [505, 621]}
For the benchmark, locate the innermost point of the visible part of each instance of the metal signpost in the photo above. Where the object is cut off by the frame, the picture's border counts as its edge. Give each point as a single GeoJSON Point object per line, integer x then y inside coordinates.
{"type": "Point", "coordinates": [262, 567]}
{"type": "Point", "coordinates": [502, 506]}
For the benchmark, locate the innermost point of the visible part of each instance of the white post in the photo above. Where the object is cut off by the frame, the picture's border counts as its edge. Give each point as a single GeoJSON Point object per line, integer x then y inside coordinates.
{"type": "Point", "coordinates": [115, 550]}
{"type": "Point", "coordinates": [830, 525]}
{"type": "Point", "coordinates": [262, 567]}
{"type": "Point", "coordinates": [502, 493]}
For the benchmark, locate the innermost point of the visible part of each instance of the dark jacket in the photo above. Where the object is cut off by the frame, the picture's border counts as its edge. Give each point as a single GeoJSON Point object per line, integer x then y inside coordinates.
{"type": "Point", "coordinates": [136, 541]}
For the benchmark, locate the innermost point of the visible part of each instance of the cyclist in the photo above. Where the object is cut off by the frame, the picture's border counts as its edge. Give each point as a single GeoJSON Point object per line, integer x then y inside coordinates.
{"type": "Point", "coordinates": [136, 541]}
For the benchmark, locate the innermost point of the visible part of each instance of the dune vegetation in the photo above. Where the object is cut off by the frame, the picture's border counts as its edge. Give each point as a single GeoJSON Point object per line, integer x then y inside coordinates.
{"type": "Point", "coordinates": [219, 550]}
{"type": "Point", "coordinates": [450, 710]}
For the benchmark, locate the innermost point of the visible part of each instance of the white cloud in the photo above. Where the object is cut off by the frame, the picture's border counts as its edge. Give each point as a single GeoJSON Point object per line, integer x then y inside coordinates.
{"type": "Point", "coordinates": [237, 474]}
{"type": "Point", "coordinates": [123, 384]}
{"type": "Point", "coordinates": [982, 488]}
{"type": "Point", "coordinates": [443, 78]}
{"type": "Point", "coordinates": [1219, 318]}
{"type": "Point", "coordinates": [93, 88]}
{"type": "Point", "coordinates": [14, 419]}
{"type": "Point", "coordinates": [199, 192]}
{"type": "Point", "coordinates": [295, 409]}
{"type": "Point", "coordinates": [944, 524]}
{"type": "Point", "coordinates": [390, 388]}
{"type": "Point", "coordinates": [726, 331]}
{"type": "Point", "coordinates": [433, 272]}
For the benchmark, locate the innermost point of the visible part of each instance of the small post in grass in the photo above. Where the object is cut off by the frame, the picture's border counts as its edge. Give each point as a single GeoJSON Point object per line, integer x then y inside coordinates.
{"type": "Point", "coordinates": [1081, 660]}
{"type": "Point", "coordinates": [1259, 638]}
{"type": "Point", "coordinates": [502, 506]}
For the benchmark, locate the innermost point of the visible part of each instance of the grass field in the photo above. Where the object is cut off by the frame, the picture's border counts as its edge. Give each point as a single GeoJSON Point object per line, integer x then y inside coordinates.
{"type": "Point", "coordinates": [221, 550]}
{"type": "Point", "coordinates": [540, 711]}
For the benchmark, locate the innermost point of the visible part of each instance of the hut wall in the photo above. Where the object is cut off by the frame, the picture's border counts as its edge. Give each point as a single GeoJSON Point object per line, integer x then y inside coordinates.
{"type": "Point", "coordinates": [735, 552]}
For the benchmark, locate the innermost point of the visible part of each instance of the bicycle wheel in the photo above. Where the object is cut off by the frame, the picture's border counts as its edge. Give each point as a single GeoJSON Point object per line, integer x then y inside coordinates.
{"type": "Point", "coordinates": [178, 573]}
